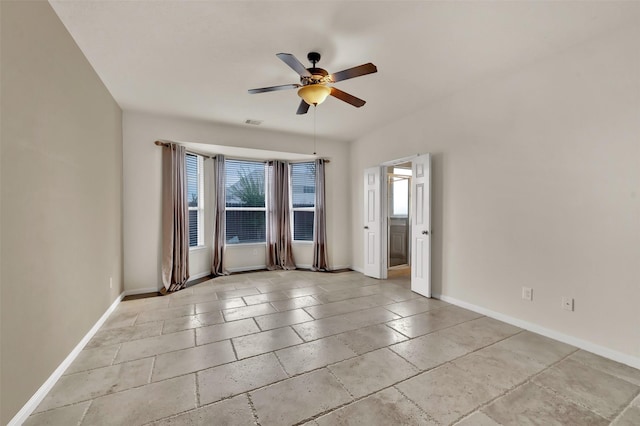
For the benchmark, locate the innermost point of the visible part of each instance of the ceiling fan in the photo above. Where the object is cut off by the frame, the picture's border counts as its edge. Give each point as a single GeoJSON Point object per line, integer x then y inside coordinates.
{"type": "Point", "coordinates": [314, 82]}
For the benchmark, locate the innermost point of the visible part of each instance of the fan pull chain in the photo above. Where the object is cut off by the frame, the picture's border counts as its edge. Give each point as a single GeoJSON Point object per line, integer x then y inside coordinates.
{"type": "Point", "coordinates": [314, 129]}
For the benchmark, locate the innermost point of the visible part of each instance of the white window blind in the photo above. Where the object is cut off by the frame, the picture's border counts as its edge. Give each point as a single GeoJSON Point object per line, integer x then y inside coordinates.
{"type": "Point", "coordinates": [245, 201]}
{"type": "Point", "coordinates": [195, 190]}
{"type": "Point", "coordinates": [303, 198]}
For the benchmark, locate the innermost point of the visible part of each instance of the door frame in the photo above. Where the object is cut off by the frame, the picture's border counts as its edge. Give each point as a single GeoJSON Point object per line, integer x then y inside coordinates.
{"type": "Point", "coordinates": [384, 206]}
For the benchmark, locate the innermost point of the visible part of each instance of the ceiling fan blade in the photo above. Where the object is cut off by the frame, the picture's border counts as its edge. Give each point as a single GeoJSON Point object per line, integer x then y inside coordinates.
{"type": "Point", "coordinates": [344, 96]}
{"type": "Point", "coordinates": [354, 72]}
{"type": "Point", "coordinates": [303, 108]}
{"type": "Point", "coordinates": [294, 63]}
{"type": "Point", "coordinates": [274, 88]}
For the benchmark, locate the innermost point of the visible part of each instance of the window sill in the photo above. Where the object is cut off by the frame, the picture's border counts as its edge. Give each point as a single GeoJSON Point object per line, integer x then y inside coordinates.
{"type": "Point", "coordinates": [304, 243]}
{"type": "Point", "coordinates": [198, 248]}
{"type": "Point", "coordinates": [263, 244]}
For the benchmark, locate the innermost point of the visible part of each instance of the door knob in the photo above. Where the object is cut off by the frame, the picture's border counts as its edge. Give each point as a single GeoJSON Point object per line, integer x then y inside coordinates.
{"type": "Point", "coordinates": [425, 232]}
{"type": "Point", "coordinates": [366, 227]}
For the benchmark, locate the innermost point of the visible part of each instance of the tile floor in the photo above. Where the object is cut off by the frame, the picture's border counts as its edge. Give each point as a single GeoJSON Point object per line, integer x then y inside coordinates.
{"type": "Point", "coordinates": [295, 347]}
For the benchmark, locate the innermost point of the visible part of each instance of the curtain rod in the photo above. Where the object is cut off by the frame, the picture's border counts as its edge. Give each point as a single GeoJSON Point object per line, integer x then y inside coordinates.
{"type": "Point", "coordinates": [162, 143]}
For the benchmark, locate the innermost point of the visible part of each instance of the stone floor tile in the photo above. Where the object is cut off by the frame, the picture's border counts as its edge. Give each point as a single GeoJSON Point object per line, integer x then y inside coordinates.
{"type": "Point", "coordinates": [165, 313]}
{"type": "Point", "coordinates": [447, 393]}
{"type": "Point", "coordinates": [478, 333]}
{"type": "Point", "coordinates": [309, 356]}
{"type": "Point", "coordinates": [478, 419]}
{"type": "Point", "coordinates": [192, 321]}
{"type": "Point", "coordinates": [93, 383]}
{"type": "Point", "coordinates": [69, 415]}
{"type": "Point", "coordinates": [431, 321]}
{"type": "Point", "coordinates": [503, 369]}
{"type": "Point", "coordinates": [336, 296]}
{"type": "Point", "coordinates": [161, 399]}
{"type": "Point", "coordinates": [266, 341]}
{"type": "Point", "coordinates": [415, 306]}
{"type": "Point", "coordinates": [224, 331]}
{"type": "Point", "coordinates": [400, 295]}
{"type": "Point", "coordinates": [295, 303]}
{"type": "Point", "coordinates": [231, 294]}
{"type": "Point", "coordinates": [281, 319]}
{"type": "Point", "coordinates": [87, 359]}
{"type": "Point", "coordinates": [143, 304]}
{"type": "Point", "coordinates": [120, 319]}
{"type": "Point", "coordinates": [630, 417]}
{"type": "Point", "coordinates": [371, 372]}
{"type": "Point", "coordinates": [119, 335]}
{"type": "Point", "coordinates": [243, 312]}
{"type": "Point", "coordinates": [298, 398]}
{"type": "Point", "coordinates": [340, 323]}
{"type": "Point", "coordinates": [218, 305]}
{"type": "Point", "coordinates": [234, 411]}
{"type": "Point", "coordinates": [542, 349]}
{"type": "Point", "coordinates": [345, 306]}
{"type": "Point", "coordinates": [532, 405]}
{"type": "Point", "coordinates": [304, 291]}
{"type": "Point", "coordinates": [194, 299]}
{"type": "Point", "coordinates": [238, 377]}
{"type": "Point", "coordinates": [600, 392]}
{"type": "Point", "coordinates": [150, 346]}
{"type": "Point", "coordinates": [614, 368]}
{"type": "Point", "coordinates": [427, 352]}
{"type": "Point", "coordinates": [387, 407]}
{"type": "Point", "coordinates": [370, 338]}
{"type": "Point", "coordinates": [266, 297]}
{"type": "Point", "coordinates": [177, 363]}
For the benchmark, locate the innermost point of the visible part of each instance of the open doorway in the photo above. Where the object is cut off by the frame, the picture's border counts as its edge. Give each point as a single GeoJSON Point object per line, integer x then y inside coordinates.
{"type": "Point", "coordinates": [398, 220]}
{"type": "Point", "coordinates": [378, 239]}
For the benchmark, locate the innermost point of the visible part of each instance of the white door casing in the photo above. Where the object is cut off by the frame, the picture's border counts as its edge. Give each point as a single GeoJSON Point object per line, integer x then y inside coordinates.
{"type": "Point", "coordinates": [374, 238]}
{"type": "Point", "coordinates": [421, 225]}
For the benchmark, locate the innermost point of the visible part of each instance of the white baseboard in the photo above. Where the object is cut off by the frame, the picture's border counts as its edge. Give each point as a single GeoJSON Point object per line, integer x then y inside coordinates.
{"type": "Point", "coordinates": [340, 267]}
{"type": "Point", "coordinates": [553, 334]}
{"type": "Point", "coordinates": [141, 291]}
{"type": "Point", "coordinates": [357, 269]}
{"type": "Point", "coordinates": [37, 397]}
{"type": "Point", "coordinates": [198, 276]}
{"type": "Point", "coordinates": [247, 268]}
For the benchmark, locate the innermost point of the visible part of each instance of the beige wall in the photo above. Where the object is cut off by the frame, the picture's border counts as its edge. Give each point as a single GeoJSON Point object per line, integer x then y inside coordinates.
{"type": "Point", "coordinates": [142, 192]}
{"type": "Point", "coordinates": [536, 183]}
{"type": "Point", "coordinates": [61, 198]}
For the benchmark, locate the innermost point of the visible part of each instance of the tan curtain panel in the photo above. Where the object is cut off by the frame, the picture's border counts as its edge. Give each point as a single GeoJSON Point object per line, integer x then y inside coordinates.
{"type": "Point", "coordinates": [175, 219]}
{"type": "Point", "coordinates": [278, 232]}
{"type": "Point", "coordinates": [320, 262]}
{"type": "Point", "coordinates": [217, 255]}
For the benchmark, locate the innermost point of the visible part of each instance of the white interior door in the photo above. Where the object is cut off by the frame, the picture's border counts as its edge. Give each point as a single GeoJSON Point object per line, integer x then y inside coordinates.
{"type": "Point", "coordinates": [374, 238]}
{"type": "Point", "coordinates": [421, 225]}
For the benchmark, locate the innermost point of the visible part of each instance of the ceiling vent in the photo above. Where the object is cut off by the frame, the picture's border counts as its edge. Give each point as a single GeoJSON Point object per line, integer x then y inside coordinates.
{"type": "Point", "coordinates": [253, 122]}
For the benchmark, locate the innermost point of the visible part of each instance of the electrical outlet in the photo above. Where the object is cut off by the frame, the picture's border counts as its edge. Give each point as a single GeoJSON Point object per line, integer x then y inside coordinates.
{"type": "Point", "coordinates": [110, 282]}
{"type": "Point", "coordinates": [567, 303]}
{"type": "Point", "coordinates": [527, 293]}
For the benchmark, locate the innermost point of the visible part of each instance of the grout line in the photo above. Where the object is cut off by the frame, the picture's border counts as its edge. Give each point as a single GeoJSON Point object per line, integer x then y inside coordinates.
{"type": "Point", "coordinates": [253, 409]}
{"type": "Point", "coordinates": [153, 365]}
{"type": "Point", "coordinates": [85, 413]}
{"type": "Point", "coordinates": [234, 351]}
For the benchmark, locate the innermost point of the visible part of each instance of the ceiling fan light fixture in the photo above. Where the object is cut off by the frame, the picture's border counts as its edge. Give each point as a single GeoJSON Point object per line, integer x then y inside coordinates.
{"type": "Point", "coordinates": [314, 94]}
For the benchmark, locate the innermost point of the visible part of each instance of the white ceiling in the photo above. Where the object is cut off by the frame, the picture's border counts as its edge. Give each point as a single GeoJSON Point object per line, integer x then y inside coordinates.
{"type": "Point", "coordinates": [197, 59]}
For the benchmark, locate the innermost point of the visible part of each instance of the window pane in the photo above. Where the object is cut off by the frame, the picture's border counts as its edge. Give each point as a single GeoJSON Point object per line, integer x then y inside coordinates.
{"type": "Point", "coordinates": [303, 226]}
{"type": "Point", "coordinates": [244, 183]}
{"type": "Point", "coordinates": [245, 226]}
{"type": "Point", "coordinates": [193, 228]}
{"type": "Point", "coordinates": [400, 197]}
{"type": "Point", "coordinates": [303, 184]}
{"type": "Point", "coordinates": [192, 180]}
